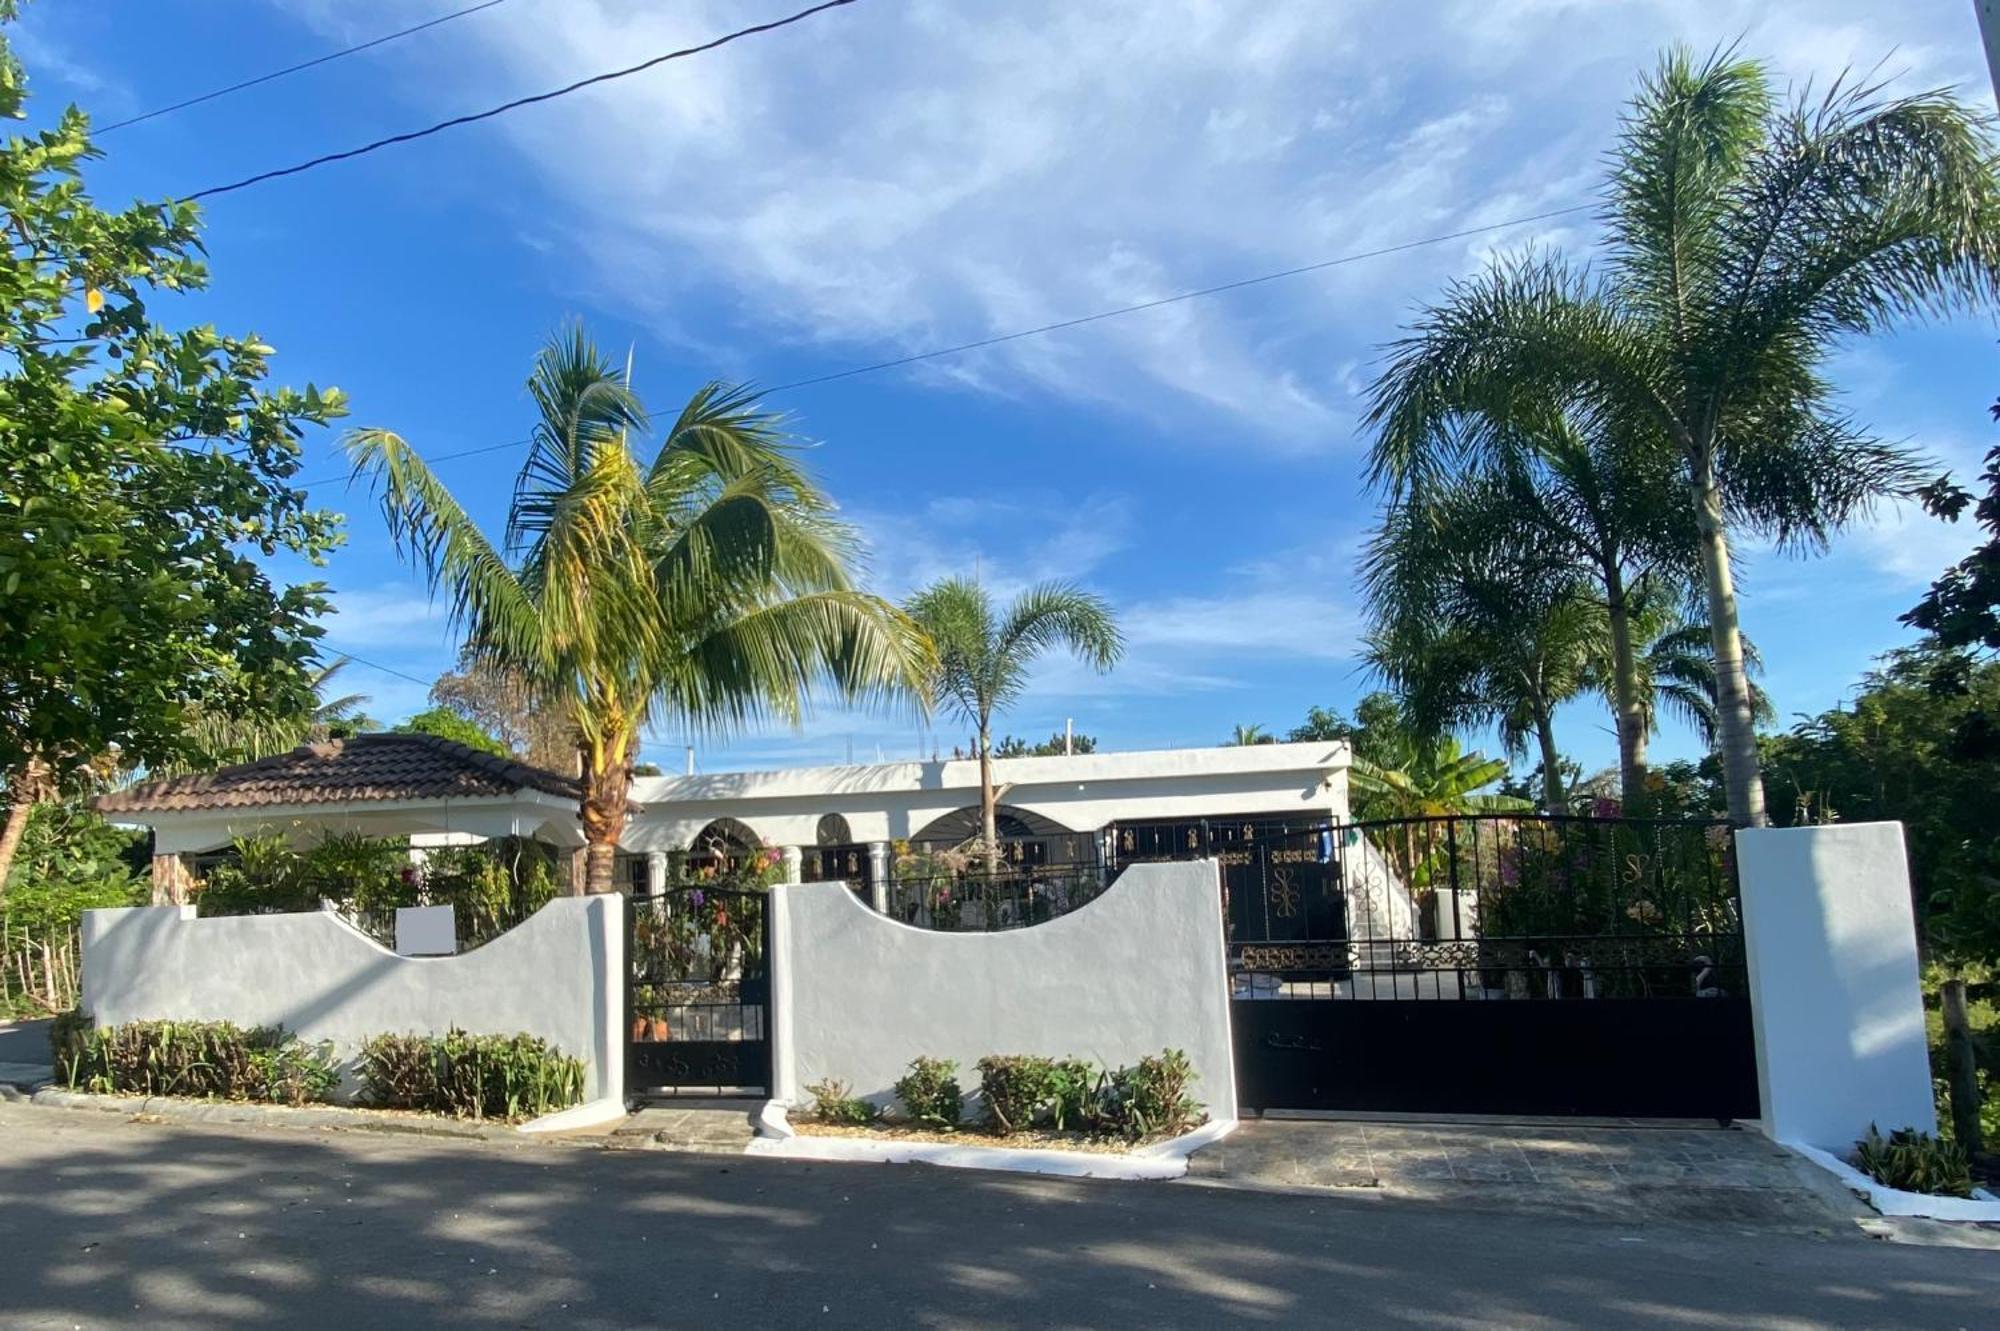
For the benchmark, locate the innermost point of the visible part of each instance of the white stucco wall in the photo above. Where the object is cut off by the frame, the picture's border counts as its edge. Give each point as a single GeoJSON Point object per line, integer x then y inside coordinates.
{"type": "Point", "coordinates": [1832, 941]}
{"type": "Point", "coordinates": [1139, 970]}
{"type": "Point", "coordinates": [559, 975]}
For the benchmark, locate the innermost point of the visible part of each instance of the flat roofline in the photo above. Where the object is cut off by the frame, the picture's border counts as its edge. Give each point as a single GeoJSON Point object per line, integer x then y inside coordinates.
{"type": "Point", "coordinates": [957, 773]}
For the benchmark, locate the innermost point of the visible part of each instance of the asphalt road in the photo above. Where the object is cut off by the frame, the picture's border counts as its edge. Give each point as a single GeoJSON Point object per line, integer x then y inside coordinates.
{"type": "Point", "coordinates": [106, 1222]}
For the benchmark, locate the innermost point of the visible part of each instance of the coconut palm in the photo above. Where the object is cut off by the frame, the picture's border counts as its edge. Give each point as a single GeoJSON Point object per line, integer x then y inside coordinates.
{"type": "Point", "coordinates": [1745, 241]}
{"type": "Point", "coordinates": [226, 739]}
{"type": "Point", "coordinates": [1249, 734]}
{"type": "Point", "coordinates": [983, 657]}
{"type": "Point", "coordinates": [709, 587]}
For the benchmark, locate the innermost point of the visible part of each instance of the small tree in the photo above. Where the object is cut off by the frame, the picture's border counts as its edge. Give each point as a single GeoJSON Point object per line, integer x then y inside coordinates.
{"type": "Point", "coordinates": [982, 661]}
{"type": "Point", "coordinates": [145, 481]}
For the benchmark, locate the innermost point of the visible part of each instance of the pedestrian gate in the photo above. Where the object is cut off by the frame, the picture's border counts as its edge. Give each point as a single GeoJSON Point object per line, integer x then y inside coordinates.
{"type": "Point", "coordinates": [698, 997]}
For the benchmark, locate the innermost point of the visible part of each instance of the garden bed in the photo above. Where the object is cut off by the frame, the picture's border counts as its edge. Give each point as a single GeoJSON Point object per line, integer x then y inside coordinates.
{"type": "Point", "coordinates": [1032, 1139]}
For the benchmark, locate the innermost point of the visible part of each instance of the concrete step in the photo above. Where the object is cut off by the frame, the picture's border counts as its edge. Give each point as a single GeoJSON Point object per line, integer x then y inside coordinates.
{"type": "Point", "coordinates": [718, 1127]}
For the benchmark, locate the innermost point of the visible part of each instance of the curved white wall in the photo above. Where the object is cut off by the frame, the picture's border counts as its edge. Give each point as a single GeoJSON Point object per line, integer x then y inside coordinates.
{"type": "Point", "coordinates": [559, 975]}
{"type": "Point", "coordinates": [1138, 970]}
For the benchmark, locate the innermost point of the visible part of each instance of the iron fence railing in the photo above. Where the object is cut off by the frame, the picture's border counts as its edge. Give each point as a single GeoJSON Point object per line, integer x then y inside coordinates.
{"type": "Point", "coordinates": [974, 902]}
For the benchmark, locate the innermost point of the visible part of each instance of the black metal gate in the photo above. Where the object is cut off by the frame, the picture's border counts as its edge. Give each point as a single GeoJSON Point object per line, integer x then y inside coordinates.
{"type": "Point", "coordinates": [697, 1005]}
{"type": "Point", "coordinates": [1492, 964]}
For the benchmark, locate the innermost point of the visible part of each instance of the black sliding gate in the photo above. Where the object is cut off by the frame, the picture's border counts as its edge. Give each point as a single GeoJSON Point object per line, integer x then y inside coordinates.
{"type": "Point", "coordinates": [1493, 964]}
{"type": "Point", "coordinates": [697, 1005]}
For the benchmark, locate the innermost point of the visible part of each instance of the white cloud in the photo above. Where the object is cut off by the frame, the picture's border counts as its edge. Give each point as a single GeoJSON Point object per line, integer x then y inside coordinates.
{"type": "Point", "coordinates": [885, 179]}
{"type": "Point", "coordinates": [390, 616]}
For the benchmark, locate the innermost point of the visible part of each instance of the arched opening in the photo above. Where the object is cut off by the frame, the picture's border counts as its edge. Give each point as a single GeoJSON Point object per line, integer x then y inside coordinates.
{"type": "Point", "coordinates": [724, 845]}
{"type": "Point", "coordinates": [1027, 839]}
{"type": "Point", "coordinates": [833, 831]}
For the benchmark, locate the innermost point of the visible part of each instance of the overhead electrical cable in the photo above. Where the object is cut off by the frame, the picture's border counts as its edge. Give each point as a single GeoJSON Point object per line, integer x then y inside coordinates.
{"type": "Point", "coordinates": [330, 56]}
{"type": "Point", "coordinates": [519, 102]}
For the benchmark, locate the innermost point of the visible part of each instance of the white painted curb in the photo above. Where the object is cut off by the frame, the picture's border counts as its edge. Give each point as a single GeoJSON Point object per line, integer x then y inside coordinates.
{"type": "Point", "coordinates": [1162, 1160]}
{"type": "Point", "coordinates": [589, 1114]}
{"type": "Point", "coordinates": [1981, 1207]}
{"type": "Point", "coordinates": [772, 1123]}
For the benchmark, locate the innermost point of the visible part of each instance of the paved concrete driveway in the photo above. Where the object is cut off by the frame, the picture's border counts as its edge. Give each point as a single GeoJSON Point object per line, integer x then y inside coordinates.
{"type": "Point", "coordinates": [1686, 1173]}
{"type": "Point", "coordinates": [105, 1222]}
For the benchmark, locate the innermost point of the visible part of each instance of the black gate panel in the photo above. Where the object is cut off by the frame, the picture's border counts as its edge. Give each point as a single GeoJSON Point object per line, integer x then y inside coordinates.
{"type": "Point", "coordinates": [1490, 964]}
{"type": "Point", "coordinates": [698, 997]}
{"type": "Point", "coordinates": [1654, 1058]}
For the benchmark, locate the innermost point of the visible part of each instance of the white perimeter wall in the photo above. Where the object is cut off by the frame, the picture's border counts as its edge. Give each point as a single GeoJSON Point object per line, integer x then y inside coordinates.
{"type": "Point", "coordinates": [1832, 942]}
{"type": "Point", "coordinates": [1139, 970]}
{"type": "Point", "coordinates": [559, 975]}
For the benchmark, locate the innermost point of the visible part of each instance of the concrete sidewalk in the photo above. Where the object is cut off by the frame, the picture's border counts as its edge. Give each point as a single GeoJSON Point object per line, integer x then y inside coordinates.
{"type": "Point", "coordinates": [1680, 1172]}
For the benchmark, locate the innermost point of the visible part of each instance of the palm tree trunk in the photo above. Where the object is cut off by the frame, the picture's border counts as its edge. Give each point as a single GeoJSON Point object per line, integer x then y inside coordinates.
{"type": "Point", "coordinates": [1552, 786]}
{"type": "Point", "coordinates": [1631, 716]}
{"type": "Point", "coordinates": [989, 807]}
{"type": "Point", "coordinates": [607, 794]}
{"type": "Point", "coordinates": [1735, 728]}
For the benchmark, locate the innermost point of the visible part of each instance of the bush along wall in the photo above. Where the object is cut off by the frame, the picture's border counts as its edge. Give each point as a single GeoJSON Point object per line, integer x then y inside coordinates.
{"type": "Point", "coordinates": [469, 1076]}
{"type": "Point", "coordinates": [1025, 1093]}
{"type": "Point", "coordinates": [203, 1059]}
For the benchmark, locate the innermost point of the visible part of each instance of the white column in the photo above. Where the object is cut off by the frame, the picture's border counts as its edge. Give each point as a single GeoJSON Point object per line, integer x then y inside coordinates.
{"type": "Point", "coordinates": [656, 872]}
{"type": "Point", "coordinates": [1832, 944]}
{"type": "Point", "coordinates": [795, 864]}
{"type": "Point", "coordinates": [878, 876]}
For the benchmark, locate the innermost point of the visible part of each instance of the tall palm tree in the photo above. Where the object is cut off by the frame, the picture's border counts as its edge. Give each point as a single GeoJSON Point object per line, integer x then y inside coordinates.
{"type": "Point", "coordinates": [1745, 241]}
{"type": "Point", "coordinates": [709, 586]}
{"type": "Point", "coordinates": [983, 657]}
{"type": "Point", "coordinates": [224, 740]}
{"type": "Point", "coordinates": [1677, 676]}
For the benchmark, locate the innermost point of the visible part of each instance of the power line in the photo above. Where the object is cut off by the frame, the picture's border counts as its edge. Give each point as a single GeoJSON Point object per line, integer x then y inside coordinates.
{"type": "Point", "coordinates": [387, 670]}
{"type": "Point", "coordinates": [1236, 285]}
{"type": "Point", "coordinates": [1134, 308]}
{"type": "Point", "coordinates": [517, 103]}
{"type": "Point", "coordinates": [293, 69]}
{"type": "Point", "coordinates": [442, 457]}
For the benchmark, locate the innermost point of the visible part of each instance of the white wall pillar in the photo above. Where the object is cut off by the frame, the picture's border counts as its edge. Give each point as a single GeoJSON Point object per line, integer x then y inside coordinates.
{"type": "Point", "coordinates": [656, 872]}
{"type": "Point", "coordinates": [1832, 943]}
{"type": "Point", "coordinates": [795, 864]}
{"type": "Point", "coordinates": [878, 876]}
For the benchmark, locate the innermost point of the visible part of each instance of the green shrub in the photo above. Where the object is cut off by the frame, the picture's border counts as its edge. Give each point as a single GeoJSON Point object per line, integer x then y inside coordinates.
{"type": "Point", "coordinates": [833, 1102]}
{"type": "Point", "coordinates": [66, 1036]}
{"type": "Point", "coordinates": [211, 1059]}
{"type": "Point", "coordinates": [929, 1092]}
{"type": "Point", "coordinates": [469, 1076]}
{"type": "Point", "coordinates": [1023, 1090]}
{"type": "Point", "coordinates": [1151, 1099]}
{"type": "Point", "coordinates": [1914, 1162]}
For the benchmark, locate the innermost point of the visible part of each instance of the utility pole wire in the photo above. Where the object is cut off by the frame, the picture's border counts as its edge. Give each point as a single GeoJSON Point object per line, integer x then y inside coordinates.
{"type": "Point", "coordinates": [516, 104]}
{"type": "Point", "coordinates": [294, 69]}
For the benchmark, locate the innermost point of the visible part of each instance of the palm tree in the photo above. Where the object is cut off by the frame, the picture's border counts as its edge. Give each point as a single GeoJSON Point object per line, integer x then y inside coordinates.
{"type": "Point", "coordinates": [710, 586]}
{"type": "Point", "coordinates": [1745, 242]}
{"type": "Point", "coordinates": [224, 740]}
{"type": "Point", "coordinates": [1250, 734]}
{"type": "Point", "coordinates": [1677, 676]}
{"type": "Point", "coordinates": [983, 660]}
{"type": "Point", "coordinates": [1474, 627]}
{"type": "Point", "coordinates": [1416, 779]}
{"type": "Point", "coordinates": [1565, 493]}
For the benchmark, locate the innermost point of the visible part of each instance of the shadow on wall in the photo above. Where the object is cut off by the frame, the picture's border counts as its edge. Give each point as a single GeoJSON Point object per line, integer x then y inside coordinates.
{"type": "Point", "coordinates": [123, 1223]}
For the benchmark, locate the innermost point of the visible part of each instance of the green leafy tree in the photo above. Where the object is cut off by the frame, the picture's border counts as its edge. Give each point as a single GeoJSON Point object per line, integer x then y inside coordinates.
{"type": "Point", "coordinates": [1249, 734]}
{"type": "Point", "coordinates": [1746, 241]}
{"type": "Point", "coordinates": [1962, 608]}
{"type": "Point", "coordinates": [145, 477]}
{"type": "Point", "coordinates": [983, 657]}
{"type": "Point", "coordinates": [709, 588]}
{"type": "Point", "coordinates": [500, 701]}
{"type": "Point", "coordinates": [221, 740]}
{"type": "Point", "coordinates": [447, 724]}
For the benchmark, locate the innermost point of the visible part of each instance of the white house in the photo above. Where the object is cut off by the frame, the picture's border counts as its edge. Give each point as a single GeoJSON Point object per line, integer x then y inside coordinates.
{"type": "Point", "coordinates": [830, 821]}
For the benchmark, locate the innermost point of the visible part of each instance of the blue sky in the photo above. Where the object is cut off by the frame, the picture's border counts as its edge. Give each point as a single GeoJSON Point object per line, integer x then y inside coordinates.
{"type": "Point", "coordinates": [895, 176]}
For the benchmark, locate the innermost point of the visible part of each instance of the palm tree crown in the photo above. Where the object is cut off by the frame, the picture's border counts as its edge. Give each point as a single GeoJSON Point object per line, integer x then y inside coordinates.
{"type": "Point", "coordinates": [710, 586]}
{"type": "Point", "coordinates": [983, 657]}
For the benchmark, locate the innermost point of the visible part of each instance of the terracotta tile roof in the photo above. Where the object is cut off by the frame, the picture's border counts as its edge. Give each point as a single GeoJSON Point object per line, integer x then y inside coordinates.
{"type": "Point", "coordinates": [345, 771]}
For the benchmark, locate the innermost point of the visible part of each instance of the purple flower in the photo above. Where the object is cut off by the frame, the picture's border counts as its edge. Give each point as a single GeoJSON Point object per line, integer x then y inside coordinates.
{"type": "Point", "coordinates": [697, 897]}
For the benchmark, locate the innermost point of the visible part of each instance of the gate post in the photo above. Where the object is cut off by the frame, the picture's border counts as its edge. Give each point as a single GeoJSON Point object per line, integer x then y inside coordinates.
{"type": "Point", "coordinates": [783, 1077]}
{"type": "Point", "coordinates": [1830, 936]}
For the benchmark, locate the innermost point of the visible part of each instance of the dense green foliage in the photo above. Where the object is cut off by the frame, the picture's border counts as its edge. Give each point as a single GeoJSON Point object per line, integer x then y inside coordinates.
{"type": "Point", "coordinates": [1914, 1162]}
{"type": "Point", "coordinates": [930, 1094]}
{"type": "Point", "coordinates": [469, 1076]}
{"type": "Point", "coordinates": [447, 724]}
{"type": "Point", "coordinates": [1962, 608]}
{"type": "Point", "coordinates": [1055, 746]}
{"type": "Point", "coordinates": [70, 861]}
{"type": "Point", "coordinates": [146, 480]}
{"type": "Point", "coordinates": [208, 1059]}
{"type": "Point", "coordinates": [1022, 1091]}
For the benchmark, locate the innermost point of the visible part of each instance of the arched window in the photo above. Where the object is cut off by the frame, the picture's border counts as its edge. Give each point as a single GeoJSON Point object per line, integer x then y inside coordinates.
{"type": "Point", "coordinates": [722, 843]}
{"type": "Point", "coordinates": [833, 831]}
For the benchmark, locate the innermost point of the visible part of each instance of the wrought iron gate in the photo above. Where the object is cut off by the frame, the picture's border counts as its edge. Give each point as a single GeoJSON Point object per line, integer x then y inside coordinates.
{"type": "Point", "coordinates": [1491, 964]}
{"type": "Point", "coordinates": [697, 1004]}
